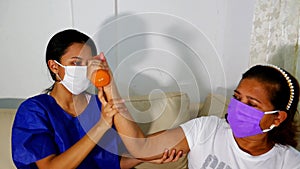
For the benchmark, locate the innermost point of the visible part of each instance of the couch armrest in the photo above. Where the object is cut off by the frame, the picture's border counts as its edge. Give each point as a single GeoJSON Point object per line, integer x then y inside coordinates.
{"type": "Point", "coordinates": [6, 120]}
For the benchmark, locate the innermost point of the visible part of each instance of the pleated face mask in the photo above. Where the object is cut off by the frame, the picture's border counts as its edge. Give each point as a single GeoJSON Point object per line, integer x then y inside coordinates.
{"type": "Point", "coordinates": [75, 79]}
{"type": "Point", "coordinates": [244, 120]}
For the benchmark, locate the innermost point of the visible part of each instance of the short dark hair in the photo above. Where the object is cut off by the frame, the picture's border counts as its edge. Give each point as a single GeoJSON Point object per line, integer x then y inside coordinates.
{"type": "Point", "coordinates": [60, 42]}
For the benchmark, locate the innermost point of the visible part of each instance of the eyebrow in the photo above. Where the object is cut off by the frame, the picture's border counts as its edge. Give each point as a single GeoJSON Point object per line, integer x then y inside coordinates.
{"type": "Point", "coordinates": [249, 97]}
{"type": "Point", "coordinates": [235, 91]}
{"type": "Point", "coordinates": [76, 57]}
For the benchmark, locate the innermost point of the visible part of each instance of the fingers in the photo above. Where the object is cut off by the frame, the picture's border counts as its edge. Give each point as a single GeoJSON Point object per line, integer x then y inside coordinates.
{"type": "Point", "coordinates": [101, 96]}
{"type": "Point", "coordinates": [171, 156]}
{"type": "Point", "coordinates": [177, 155]}
{"type": "Point", "coordinates": [165, 156]}
{"type": "Point", "coordinates": [102, 57]}
{"type": "Point", "coordinates": [119, 104]}
{"type": "Point", "coordinates": [97, 62]}
{"type": "Point", "coordinates": [115, 104]}
{"type": "Point", "coordinates": [111, 112]}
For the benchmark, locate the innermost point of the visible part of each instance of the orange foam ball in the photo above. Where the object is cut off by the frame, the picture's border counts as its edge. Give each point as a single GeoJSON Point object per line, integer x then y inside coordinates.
{"type": "Point", "coordinates": [100, 78]}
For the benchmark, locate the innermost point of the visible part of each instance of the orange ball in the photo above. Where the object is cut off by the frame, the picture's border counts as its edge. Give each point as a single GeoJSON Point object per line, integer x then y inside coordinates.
{"type": "Point", "coordinates": [100, 78]}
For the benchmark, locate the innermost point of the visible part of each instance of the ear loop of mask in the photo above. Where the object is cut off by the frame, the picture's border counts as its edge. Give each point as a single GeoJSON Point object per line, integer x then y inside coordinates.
{"type": "Point", "coordinates": [57, 73]}
{"type": "Point", "coordinates": [58, 77]}
{"type": "Point", "coordinates": [273, 125]}
{"type": "Point", "coordinates": [269, 129]}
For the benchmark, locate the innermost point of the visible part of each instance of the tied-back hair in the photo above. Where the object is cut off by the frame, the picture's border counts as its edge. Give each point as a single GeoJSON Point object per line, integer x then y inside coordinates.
{"type": "Point", "coordinates": [279, 90]}
{"type": "Point", "coordinates": [59, 44]}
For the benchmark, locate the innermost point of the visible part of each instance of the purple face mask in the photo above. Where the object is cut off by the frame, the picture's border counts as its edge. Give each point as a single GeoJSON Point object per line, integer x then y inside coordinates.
{"type": "Point", "coordinates": [244, 120]}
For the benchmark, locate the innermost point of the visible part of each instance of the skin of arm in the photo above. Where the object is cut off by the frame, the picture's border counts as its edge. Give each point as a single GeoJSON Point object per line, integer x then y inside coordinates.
{"type": "Point", "coordinates": [141, 146]}
{"type": "Point", "coordinates": [129, 162]}
{"type": "Point", "coordinates": [149, 147]}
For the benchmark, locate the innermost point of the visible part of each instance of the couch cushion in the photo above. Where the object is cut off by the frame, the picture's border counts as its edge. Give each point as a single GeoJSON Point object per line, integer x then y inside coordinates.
{"type": "Point", "coordinates": [182, 163]}
{"type": "Point", "coordinates": [8, 107]}
{"type": "Point", "coordinates": [161, 111]}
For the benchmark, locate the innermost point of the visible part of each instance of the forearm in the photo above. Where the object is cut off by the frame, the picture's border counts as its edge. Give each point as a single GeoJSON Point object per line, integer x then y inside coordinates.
{"type": "Point", "coordinates": [127, 162]}
{"type": "Point", "coordinates": [140, 146]}
{"type": "Point", "coordinates": [132, 136]}
{"type": "Point", "coordinates": [72, 157]}
{"type": "Point", "coordinates": [151, 147]}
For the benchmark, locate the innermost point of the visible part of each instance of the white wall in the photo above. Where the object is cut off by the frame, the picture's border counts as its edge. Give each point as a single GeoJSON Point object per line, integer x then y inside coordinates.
{"type": "Point", "coordinates": [192, 46]}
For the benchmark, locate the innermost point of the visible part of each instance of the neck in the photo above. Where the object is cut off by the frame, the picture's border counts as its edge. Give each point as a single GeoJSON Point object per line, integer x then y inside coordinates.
{"type": "Point", "coordinates": [72, 104]}
{"type": "Point", "coordinates": [255, 145]}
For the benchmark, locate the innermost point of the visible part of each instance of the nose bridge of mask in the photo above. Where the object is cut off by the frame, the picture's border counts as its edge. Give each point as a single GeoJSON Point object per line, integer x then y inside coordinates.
{"type": "Point", "coordinates": [243, 105]}
{"type": "Point", "coordinates": [72, 70]}
{"type": "Point", "coordinates": [247, 108]}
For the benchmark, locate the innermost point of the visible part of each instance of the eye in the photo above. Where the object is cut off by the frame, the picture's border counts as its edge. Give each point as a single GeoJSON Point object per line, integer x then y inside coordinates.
{"type": "Point", "coordinates": [78, 63]}
{"type": "Point", "coordinates": [252, 104]}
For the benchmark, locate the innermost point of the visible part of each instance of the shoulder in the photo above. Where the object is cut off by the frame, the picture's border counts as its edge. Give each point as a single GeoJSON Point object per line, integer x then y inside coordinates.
{"type": "Point", "coordinates": [290, 151]}
{"type": "Point", "coordinates": [202, 128]}
{"type": "Point", "coordinates": [38, 99]}
{"type": "Point", "coordinates": [35, 105]}
{"type": "Point", "coordinates": [289, 155]}
{"type": "Point", "coordinates": [204, 121]}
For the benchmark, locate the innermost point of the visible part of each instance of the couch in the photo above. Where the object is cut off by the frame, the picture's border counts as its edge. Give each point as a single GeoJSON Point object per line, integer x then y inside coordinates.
{"type": "Point", "coordinates": [7, 113]}
{"type": "Point", "coordinates": [153, 113]}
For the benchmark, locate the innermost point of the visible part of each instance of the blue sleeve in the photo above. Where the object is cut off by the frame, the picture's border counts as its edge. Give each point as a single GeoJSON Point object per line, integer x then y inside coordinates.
{"type": "Point", "coordinates": [32, 136]}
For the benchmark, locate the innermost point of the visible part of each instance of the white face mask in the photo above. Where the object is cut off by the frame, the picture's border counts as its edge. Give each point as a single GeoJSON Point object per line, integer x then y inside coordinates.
{"type": "Point", "coordinates": [75, 79]}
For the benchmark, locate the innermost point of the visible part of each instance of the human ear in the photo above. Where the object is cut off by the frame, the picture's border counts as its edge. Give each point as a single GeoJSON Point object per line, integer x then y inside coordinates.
{"type": "Point", "coordinates": [281, 116]}
{"type": "Point", "coordinates": [53, 66]}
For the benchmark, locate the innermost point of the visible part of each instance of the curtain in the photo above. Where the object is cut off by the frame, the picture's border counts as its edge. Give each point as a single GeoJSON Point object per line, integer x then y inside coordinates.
{"type": "Point", "coordinates": [275, 38]}
{"type": "Point", "coordinates": [275, 34]}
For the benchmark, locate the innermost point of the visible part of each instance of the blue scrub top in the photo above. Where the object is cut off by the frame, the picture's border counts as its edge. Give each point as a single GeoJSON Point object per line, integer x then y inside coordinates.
{"type": "Point", "coordinates": [41, 128]}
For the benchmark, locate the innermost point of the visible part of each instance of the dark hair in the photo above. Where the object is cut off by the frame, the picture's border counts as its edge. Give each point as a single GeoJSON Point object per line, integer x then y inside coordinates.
{"type": "Point", "coordinates": [60, 42]}
{"type": "Point", "coordinates": [279, 94]}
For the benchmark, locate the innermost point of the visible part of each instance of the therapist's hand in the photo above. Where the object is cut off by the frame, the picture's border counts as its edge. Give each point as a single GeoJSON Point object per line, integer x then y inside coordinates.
{"type": "Point", "coordinates": [168, 156]}
{"type": "Point", "coordinates": [109, 109]}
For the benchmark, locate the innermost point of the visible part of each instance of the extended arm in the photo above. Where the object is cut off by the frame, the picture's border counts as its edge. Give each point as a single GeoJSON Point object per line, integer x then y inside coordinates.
{"type": "Point", "coordinates": [139, 145]}
{"type": "Point", "coordinates": [149, 147]}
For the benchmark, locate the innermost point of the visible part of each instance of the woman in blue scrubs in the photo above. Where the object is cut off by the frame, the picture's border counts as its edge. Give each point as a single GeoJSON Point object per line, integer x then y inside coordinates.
{"type": "Point", "coordinates": [64, 127]}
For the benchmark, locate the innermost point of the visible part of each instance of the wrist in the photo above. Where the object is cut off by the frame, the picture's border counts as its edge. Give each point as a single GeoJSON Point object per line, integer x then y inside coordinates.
{"type": "Point", "coordinates": [101, 126]}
